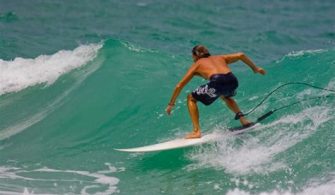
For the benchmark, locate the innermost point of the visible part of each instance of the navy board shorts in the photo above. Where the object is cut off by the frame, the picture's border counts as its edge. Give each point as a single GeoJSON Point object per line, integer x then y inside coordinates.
{"type": "Point", "coordinates": [218, 85]}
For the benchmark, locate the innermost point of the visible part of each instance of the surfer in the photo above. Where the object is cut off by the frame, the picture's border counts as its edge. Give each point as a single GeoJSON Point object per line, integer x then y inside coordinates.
{"type": "Point", "coordinates": [222, 83]}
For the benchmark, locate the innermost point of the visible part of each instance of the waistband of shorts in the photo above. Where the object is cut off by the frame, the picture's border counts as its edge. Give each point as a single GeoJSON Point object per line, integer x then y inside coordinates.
{"type": "Point", "coordinates": [213, 76]}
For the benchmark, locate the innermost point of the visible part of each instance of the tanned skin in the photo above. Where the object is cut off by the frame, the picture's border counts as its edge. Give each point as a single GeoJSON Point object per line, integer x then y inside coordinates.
{"type": "Point", "coordinates": [205, 68]}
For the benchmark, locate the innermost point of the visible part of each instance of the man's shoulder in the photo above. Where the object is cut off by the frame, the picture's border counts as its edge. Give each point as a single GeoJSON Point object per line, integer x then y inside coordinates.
{"type": "Point", "coordinates": [219, 56]}
{"type": "Point", "coordinates": [210, 58]}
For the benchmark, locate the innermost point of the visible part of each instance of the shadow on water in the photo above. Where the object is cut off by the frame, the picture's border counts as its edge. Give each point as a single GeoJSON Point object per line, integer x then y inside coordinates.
{"type": "Point", "coordinates": [164, 160]}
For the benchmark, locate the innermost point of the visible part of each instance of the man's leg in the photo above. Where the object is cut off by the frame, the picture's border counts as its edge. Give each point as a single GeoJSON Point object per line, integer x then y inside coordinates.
{"type": "Point", "coordinates": [234, 107]}
{"type": "Point", "coordinates": [194, 114]}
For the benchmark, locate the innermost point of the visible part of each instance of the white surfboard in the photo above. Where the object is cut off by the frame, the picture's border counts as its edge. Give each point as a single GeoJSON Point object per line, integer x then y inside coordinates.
{"type": "Point", "coordinates": [183, 143]}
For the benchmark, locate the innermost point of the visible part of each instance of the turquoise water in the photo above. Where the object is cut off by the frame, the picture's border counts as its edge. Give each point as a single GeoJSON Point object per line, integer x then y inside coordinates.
{"type": "Point", "coordinates": [80, 78]}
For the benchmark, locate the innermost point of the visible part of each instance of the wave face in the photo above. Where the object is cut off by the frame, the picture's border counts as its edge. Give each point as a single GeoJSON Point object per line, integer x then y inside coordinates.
{"type": "Point", "coordinates": [80, 78]}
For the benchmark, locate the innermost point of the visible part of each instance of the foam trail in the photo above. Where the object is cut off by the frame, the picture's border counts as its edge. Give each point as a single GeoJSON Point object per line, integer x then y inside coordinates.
{"type": "Point", "coordinates": [21, 73]}
{"type": "Point", "coordinates": [100, 181]}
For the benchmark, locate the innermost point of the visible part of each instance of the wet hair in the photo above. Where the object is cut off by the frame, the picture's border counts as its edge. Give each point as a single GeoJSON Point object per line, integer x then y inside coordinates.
{"type": "Point", "coordinates": [200, 51]}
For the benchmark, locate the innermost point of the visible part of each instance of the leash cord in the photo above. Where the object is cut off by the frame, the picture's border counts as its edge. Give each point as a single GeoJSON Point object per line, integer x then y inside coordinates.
{"type": "Point", "coordinates": [289, 83]}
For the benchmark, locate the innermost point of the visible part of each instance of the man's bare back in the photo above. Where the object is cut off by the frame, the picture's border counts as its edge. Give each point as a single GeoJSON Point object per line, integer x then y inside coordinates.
{"type": "Point", "coordinates": [211, 65]}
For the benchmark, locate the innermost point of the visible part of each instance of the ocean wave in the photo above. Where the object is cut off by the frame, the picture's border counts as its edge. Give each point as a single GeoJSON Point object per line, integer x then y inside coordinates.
{"type": "Point", "coordinates": [21, 73]}
{"type": "Point", "coordinates": [51, 77]}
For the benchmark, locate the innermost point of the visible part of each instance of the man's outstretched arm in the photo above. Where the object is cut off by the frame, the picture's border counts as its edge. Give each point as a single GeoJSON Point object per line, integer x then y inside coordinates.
{"type": "Point", "coordinates": [188, 76]}
{"type": "Point", "coordinates": [231, 58]}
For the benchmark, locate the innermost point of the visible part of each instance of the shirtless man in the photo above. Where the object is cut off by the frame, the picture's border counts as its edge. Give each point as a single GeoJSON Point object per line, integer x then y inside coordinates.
{"type": "Point", "coordinates": [222, 83]}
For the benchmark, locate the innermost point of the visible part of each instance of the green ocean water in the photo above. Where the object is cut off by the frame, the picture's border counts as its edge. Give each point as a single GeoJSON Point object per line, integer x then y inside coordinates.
{"type": "Point", "coordinates": [79, 78]}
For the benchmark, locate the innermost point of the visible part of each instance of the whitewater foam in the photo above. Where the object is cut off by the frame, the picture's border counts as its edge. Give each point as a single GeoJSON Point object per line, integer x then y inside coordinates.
{"type": "Point", "coordinates": [303, 52]}
{"type": "Point", "coordinates": [21, 73]}
{"type": "Point", "coordinates": [254, 155]}
{"type": "Point", "coordinates": [295, 54]}
{"type": "Point", "coordinates": [327, 188]}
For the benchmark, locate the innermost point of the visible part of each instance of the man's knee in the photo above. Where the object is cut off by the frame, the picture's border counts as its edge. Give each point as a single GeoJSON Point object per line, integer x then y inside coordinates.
{"type": "Point", "coordinates": [228, 100]}
{"type": "Point", "coordinates": [191, 98]}
{"type": "Point", "coordinates": [225, 98]}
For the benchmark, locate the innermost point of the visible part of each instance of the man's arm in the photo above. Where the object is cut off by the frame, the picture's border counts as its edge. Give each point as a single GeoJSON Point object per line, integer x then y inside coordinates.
{"type": "Point", "coordinates": [188, 76]}
{"type": "Point", "coordinates": [231, 58]}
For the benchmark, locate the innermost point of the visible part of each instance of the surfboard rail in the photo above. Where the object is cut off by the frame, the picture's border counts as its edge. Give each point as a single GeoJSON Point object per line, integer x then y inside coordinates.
{"type": "Point", "coordinates": [183, 143]}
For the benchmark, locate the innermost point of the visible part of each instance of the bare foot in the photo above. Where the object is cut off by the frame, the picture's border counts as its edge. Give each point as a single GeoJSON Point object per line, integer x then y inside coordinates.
{"type": "Point", "coordinates": [196, 134]}
{"type": "Point", "coordinates": [244, 121]}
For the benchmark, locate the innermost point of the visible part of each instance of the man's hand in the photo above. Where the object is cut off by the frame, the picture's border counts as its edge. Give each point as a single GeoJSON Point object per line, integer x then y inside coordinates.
{"type": "Point", "coordinates": [169, 109]}
{"type": "Point", "coordinates": [260, 70]}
